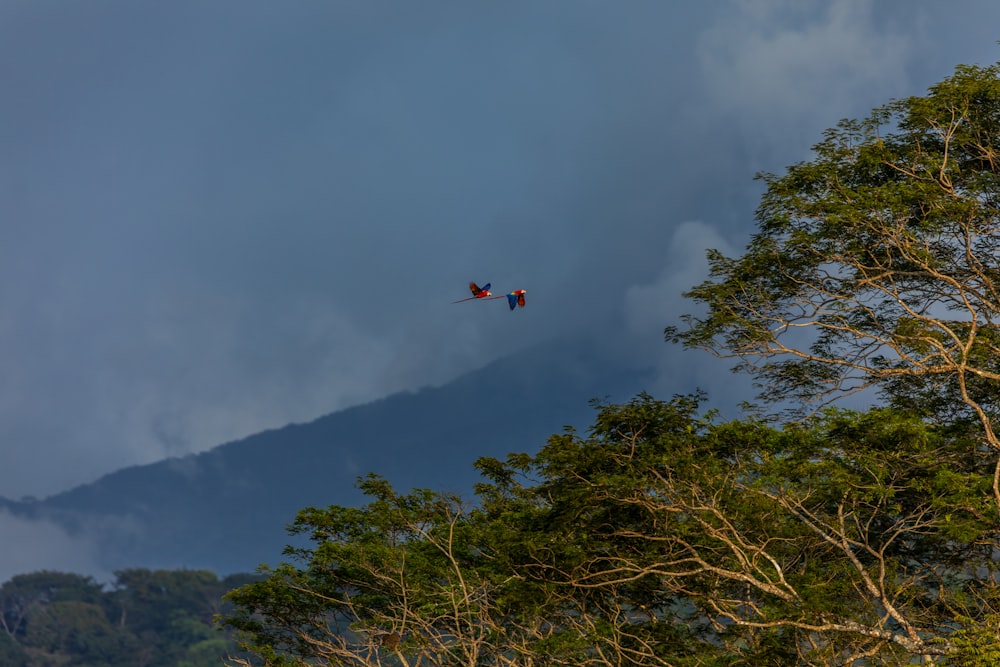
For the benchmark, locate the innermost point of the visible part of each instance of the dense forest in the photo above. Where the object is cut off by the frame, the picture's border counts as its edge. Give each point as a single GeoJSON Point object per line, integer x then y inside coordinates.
{"type": "Point", "coordinates": [144, 618]}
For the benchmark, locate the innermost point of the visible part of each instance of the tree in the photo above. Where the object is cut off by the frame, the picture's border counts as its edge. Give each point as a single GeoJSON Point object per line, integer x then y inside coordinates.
{"type": "Point", "coordinates": [405, 579]}
{"type": "Point", "coordinates": [80, 631]}
{"type": "Point", "coordinates": [146, 619]}
{"type": "Point", "coordinates": [877, 263]}
{"type": "Point", "coordinates": [850, 537]}
{"type": "Point", "coordinates": [661, 538]}
{"type": "Point", "coordinates": [167, 612]}
{"type": "Point", "coordinates": [26, 594]}
{"type": "Point", "coordinates": [11, 653]}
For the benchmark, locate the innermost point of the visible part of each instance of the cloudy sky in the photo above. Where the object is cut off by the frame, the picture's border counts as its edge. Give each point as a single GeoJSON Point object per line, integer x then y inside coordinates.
{"type": "Point", "coordinates": [219, 217]}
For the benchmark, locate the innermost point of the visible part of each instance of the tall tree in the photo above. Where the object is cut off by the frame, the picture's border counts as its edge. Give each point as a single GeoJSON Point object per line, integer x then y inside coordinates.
{"type": "Point", "coordinates": [876, 263]}
{"type": "Point", "coordinates": [405, 580]}
{"type": "Point", "coordinates": [659, 539]}
{"type": "Point", "coordinates": [852, 537]}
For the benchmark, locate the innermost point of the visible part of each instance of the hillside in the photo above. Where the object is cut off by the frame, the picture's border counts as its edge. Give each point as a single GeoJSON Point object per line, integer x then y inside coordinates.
{"type": "Point", "coordinates": [225, 509]}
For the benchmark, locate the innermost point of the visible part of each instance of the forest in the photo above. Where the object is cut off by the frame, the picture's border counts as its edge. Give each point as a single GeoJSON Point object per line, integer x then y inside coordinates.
{"type": "Point", "coordinates": [143, 618]}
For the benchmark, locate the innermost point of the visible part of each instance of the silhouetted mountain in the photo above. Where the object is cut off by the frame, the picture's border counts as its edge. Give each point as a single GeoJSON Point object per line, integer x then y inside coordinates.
{"type": "Point", "coordinates": [226, 509]}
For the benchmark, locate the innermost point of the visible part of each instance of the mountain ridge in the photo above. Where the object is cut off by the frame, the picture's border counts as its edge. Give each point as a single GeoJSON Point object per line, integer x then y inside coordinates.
{"type": "Point", "coordinates": [226, 508]}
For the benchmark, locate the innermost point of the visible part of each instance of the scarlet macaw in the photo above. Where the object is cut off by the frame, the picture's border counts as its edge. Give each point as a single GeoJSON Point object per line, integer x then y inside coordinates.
{"type": "Point", "coordinates": [515, 298]}
{"type": "Point", "coordinates": [477, 292]}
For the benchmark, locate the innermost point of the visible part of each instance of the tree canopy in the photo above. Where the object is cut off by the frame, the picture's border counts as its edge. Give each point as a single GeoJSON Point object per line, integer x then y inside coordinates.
{"type": "Point", "coordinates": [876, 263]}
{"type": "Point", "coordinates": [144, 618]}
{"type": "Point", "coordinates": [661, 538]}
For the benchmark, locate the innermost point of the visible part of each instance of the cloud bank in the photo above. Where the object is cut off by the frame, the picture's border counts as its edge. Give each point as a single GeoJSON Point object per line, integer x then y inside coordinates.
{"type": "Point", "coordinates": [217, 218]}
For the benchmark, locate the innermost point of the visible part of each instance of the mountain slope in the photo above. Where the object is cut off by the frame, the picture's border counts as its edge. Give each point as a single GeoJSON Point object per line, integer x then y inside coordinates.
{"type": "Point", "coordinates": [226, 509]}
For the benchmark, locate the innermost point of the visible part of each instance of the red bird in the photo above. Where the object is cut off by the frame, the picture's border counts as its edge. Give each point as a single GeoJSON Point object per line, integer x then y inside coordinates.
{"type": "Point", "coordinates": [477, 292]}
{"type": "Point", "coordinates": [515, 298]}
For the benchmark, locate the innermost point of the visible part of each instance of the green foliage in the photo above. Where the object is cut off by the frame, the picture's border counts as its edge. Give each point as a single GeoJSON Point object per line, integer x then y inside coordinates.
{"type": "Point", "coordinates": [11, 653]}
{"type": "Point", "coordinates": [659, 538]}
{"type": "Point", "coordinates": [977, 644]}
{"type": "Point", "coordinates": [67, 627]}
{"type": "Point", "coordinates": [207, 653]}
{"type": "Point", "coordinates": [876, 263]}
{"type": "Point", "coordinates": [145, 618]}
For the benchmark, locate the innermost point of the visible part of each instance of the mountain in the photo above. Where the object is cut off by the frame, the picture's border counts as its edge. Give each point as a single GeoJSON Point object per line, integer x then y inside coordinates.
{"type": "Point", "coordinates": [226, 509]}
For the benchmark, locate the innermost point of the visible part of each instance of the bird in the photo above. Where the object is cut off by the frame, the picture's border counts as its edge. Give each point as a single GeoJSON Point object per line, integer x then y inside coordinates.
{"type": "Point", "coordinates": [515, 298]}
{"type": "Point", "coordinates": [477, 292]}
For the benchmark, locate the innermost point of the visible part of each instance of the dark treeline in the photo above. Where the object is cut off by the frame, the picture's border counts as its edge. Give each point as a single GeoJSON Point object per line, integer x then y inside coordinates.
{"type": "Point", "coordinates": [144, 618]}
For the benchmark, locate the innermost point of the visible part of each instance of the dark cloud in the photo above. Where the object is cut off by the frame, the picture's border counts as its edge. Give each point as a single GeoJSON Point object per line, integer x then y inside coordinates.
{"type": "Point", "coordinates": [220, 217]}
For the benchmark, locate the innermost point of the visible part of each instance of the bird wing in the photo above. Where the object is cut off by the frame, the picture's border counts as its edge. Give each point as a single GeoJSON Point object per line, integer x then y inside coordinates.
{"type": "Point", "coordinates": [477, 292]}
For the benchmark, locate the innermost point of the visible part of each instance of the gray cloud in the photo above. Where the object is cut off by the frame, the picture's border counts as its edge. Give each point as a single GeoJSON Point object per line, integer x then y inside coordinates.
{"type": "Point", "coordinates": [217, 218]}
{"type": "Point", "coordinates": [649, 307]}
{"type": "Point", "coordinates": [42, 545]}
{"type": "Point", "coordinates": [786, 56]}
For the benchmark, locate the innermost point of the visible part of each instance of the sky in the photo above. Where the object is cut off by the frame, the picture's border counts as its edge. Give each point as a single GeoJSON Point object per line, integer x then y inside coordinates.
{"type": "Point", "coordinates": [221, 217]}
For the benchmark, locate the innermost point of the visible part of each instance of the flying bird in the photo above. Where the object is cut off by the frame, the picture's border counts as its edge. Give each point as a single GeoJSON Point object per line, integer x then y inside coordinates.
{"type": "Point", "coordinates": [515, 298]}
{"type": "Point", "coordinates": [477, 292]}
